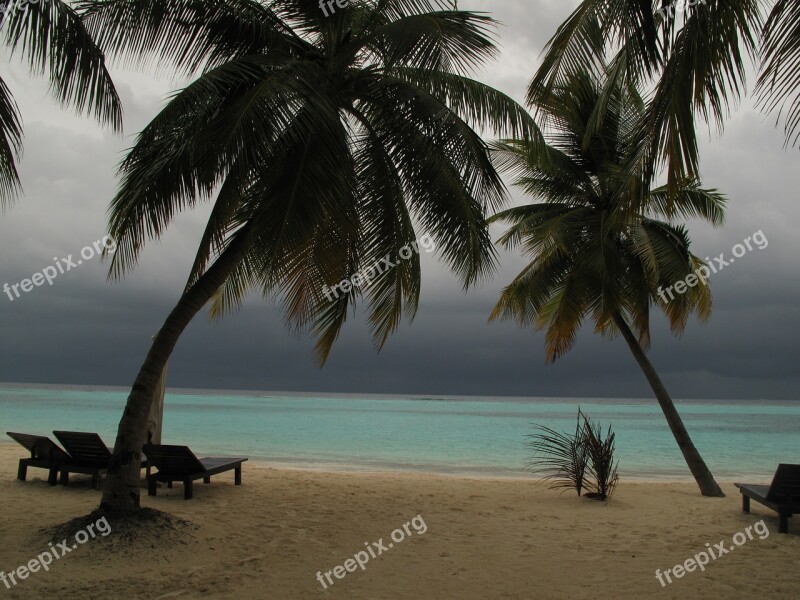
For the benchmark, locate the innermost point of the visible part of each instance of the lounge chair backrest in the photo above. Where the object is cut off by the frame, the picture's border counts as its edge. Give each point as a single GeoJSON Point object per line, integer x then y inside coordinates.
{"type": "Point", "coordinates": [40, 447]}
{"type": "Point", "coordinates": [87, 449]}
{"type": "Point", "coordinates": [785, 487]}
{"type": "Point", "coordinates": [177, 460]}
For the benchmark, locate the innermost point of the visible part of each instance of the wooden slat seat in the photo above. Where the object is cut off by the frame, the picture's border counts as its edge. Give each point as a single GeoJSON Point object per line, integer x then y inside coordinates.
{"type": "Point", "coordinates": [45, 454]}
{"type": "Point", "coordinates": [179, 463]}
{"type": "Point", "coordinates": [782, 495]}
{"type": "Point", "coordinates": [90, 455]}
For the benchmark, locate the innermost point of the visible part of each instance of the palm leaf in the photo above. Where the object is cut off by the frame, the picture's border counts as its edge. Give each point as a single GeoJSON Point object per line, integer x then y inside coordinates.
{"type": "Point", "coordinates": [10, 146]}
{"type": "Point", "coordinates": [53, 40]}
{"type": "Point", "coordinates": [560, 457]}
{"type": "Point", "coordinates": [778, 86]}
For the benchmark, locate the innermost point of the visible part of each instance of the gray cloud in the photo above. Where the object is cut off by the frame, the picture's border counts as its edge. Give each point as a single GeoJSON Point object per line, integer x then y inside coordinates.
{"type": "Point", "coordinates": [85, 330]}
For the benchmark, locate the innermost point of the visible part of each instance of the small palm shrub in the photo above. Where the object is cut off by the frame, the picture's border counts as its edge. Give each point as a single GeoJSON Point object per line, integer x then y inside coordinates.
{"type": "Point", "coordinates": [560, 457]}
{"type": "Point", "coordinates": [583, 460]}
{"type": "Point", "coordinates": [602, 467]}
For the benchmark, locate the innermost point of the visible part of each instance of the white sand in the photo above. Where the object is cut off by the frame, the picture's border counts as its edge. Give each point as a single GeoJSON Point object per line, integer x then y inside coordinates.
{"type": "Point", "coordinates": [486, 539]}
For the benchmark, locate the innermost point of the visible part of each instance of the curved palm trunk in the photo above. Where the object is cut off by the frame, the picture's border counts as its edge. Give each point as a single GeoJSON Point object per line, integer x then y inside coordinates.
{"type": "Point", "coordinates": [703, 477]}
{"type": "Point", "coordinates": [121, 489]}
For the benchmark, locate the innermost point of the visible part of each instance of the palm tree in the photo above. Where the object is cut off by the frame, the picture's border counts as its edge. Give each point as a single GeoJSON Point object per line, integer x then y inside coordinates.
{"type": "Point", "coordinates": [603, 245]}
{"type": "Point", "coordinates": [327, 143]}
{"type": "Point", "coordinates": [53, 40]}
{"type": "Point", "coordinates": [693, 56]}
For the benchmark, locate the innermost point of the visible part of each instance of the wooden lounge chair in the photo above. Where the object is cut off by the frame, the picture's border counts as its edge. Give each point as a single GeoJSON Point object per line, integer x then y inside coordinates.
{"type": "Point", "coordinates": [782, 496]}
{"type": "Point", "coordinates": [90, 455]}
{"type": "Point", "coordinates": [45, 454]}
{"type": "Point", "coordinates": [178, 463]}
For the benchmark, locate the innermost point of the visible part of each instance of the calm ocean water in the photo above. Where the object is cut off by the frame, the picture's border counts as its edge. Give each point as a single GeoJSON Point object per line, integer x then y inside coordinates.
{"type": "Point", "coordinates": [458, 435]}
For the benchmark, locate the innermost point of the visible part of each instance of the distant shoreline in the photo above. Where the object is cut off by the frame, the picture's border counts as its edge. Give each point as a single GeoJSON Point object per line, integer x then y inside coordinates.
{"type": "Point", "coordinates": [246, 393]}
{"type": "Point", "coordinates": [404, 471]}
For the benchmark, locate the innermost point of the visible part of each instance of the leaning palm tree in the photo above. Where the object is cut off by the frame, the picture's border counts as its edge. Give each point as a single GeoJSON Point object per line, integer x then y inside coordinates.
{"type": "Point", "coordinates": [602, 243]}
{"type": "Point", "coordinates": [52, 39]}
{"type": "Point", "coordinates": [694, 58]}
{"type": "Point", "coordinates": [327, 142]}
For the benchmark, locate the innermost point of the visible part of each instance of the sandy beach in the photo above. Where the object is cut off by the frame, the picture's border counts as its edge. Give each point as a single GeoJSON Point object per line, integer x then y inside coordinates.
{"type": "Point", "coordinates": [482, 539]}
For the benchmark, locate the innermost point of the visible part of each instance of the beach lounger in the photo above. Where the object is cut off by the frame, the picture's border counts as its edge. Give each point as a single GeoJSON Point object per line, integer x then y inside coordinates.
{"type": "Point", "coordinates": [782, 496]}
{"type": "Point", "coordinates": [178, 463]}
{"type": "Point", "coordinates": [45, 454]}
{"type": "Point", "coordinates": [90, 455]}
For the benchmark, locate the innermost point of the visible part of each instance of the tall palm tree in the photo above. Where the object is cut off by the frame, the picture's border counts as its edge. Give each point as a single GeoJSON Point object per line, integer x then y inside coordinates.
{"type": "Point", "coordinates": [694, 58]}
{"type": "Point", "coordinates": [53, 40]}
{"type": "Point", "coordinates": [327, 141]}
{"type": "Point", "coordinates": [602, 243]}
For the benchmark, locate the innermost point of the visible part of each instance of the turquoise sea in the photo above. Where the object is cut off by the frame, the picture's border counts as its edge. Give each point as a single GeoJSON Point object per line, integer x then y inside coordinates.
{"type": "Point", "coordinates": [455, 435]}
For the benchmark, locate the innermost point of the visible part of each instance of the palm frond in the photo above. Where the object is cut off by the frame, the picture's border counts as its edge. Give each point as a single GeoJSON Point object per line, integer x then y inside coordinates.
{"type": "Point", "coordinates": [704, 74]}
{"type": "Point", "coordinates": [186, 36]}
{"type": "Point", "coordinates": [10, 146]}
{"type": "Point", "coordinates": [562, 458]}
{"type": "Point", "coordinates": [602, 468]}
{"type": "Point", "coordinates": [578, 45]}
{"type": "Point", "coordinates": [54, 41]}
{"type": "Point", "coordinates": [690, 202]}
{"type": "Point", "coordinates": [778, 87]}
{"type": "Point", "coordinates": [441, 41]}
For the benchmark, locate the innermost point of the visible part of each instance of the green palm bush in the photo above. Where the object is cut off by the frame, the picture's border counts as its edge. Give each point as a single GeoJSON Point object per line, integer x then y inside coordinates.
{"type": "Point", "coordinates": [599, 449]}
{"type": "Point", "coordinates": [561, 458]}
{"type": "Point", "coordinates": [583, 460]}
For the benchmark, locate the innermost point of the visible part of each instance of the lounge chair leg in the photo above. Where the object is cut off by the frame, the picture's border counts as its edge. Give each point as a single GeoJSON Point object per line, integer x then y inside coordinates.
{"type": "Point", "coordinates": [152, 486]}
{"type": "Point", "coordinates": [169, 484]}
{"type": "Point", "coordinates": [64, 477]}
{"type": "Point", "coordinates": [237, 475]}
{"type": "Point", "coordinates": [22, 472]}
{"type": "Point", "coordinates": [206, 480]}
{"type": "Point", "coordinates": [187, 489]}
{"type": "Point", "coordinates": [784, 526]}
{"type": "Point", "coordinates": [52, 478]}
{"type": "Point", "coordinates": [95, 480]}
{"type": "Point", "coordinates": [745, 503]}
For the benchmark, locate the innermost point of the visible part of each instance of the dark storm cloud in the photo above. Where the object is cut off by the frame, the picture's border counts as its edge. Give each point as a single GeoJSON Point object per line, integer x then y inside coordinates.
{"type": "Point", "coordinates": [85, 330]}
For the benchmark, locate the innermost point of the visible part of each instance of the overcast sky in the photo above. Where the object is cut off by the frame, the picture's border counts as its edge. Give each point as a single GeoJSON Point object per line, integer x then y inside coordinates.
{"type": "Point", "coordinates": [85, 330]}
